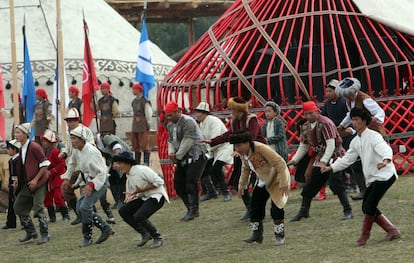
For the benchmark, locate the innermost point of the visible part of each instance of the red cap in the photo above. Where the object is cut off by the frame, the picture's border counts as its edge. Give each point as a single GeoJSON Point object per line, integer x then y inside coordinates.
{"type": "Point", "coordinates": [138, 87]}
{"type": "Point", "coordinates": [41, 92]}
{"type": "Point", "coordinates": [310, 106]}
{"type": "Point", "coordinates": [105, 85]}
{"type": "Point", "coordinates": [171, 107]}
{"type": "Point", "coordinates": [74, 89]}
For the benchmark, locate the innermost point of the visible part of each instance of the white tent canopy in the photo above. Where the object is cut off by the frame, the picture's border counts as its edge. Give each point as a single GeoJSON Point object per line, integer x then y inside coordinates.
{"type": "Point", "coordinates": [395, 14]}
{"type": "Point", "coordinates": [114, 43]}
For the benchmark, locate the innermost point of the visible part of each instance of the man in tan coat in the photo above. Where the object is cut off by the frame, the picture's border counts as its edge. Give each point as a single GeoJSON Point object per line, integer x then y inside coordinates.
{"type": "Point", "coordinates": [273, 180]}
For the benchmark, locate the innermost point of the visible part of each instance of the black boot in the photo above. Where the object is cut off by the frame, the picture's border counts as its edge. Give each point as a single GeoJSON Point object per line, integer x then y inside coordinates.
{"type": "Point", "coordinates": [115, 193]}
{"type": "Point", "coordinates": [138, 157]}
{"type": "Point", "coordinates": [193, 205]}
{"type": "Point", "coordinates": [145, 235]}
{"type": "Point", "coordinates": [52, 214]}
{"type": "Point", "coordinates": [304, 210]}
{"type": "Point", "coordinates": [246, 201]}
{"type": "Point", "coordinates": [257, 233]}
{"type": "Point", "coordinates": [72, 205]}
{"type": "Point", "coordinates": [44, 231]}
{"type": "Point", "coordinates": [106, 230]}
{"type": "Point", "coordinates": [87, 235]}
{"type": "Point", "coordinates": [210, 192]}
{"type": "Point", "coordinates": [147, 155]}
{"type": "Point", "coordinates": [65, 213]}
{"type": "Point", "coordinates": [279, 228]}
{"type": "Point", "coordinates": [158, 240]}
{"type": "Point", "coordinates": [108, 212]}
{"type": "Point", "coordinates": [343, 198]}
{"type": "Point", "coordinates": [28, 226]}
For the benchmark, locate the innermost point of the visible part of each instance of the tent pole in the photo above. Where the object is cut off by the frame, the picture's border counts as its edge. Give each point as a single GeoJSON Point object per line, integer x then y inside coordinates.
{"type": "Point", "coordinates": [16, 107]}
{"type": "Point", "coordinates": [61, 64]}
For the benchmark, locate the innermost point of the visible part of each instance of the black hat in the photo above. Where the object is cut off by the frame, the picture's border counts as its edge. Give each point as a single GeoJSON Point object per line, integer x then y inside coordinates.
{"type": "Point", "coordinates": [240, 137]}
{"type": "Point", "coordinates": [362, 113]}
{"type": "Point", "coordinates": [124, 157]}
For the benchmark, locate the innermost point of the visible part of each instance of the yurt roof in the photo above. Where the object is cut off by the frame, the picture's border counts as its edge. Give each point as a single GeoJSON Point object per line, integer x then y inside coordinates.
{"type": "Point", "coordinates": [288, 51]}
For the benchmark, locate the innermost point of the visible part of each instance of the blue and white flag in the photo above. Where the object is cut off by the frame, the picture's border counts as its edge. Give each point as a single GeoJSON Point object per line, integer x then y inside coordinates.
{"type": "Point", "coordinates": [144, 72]}
{"type": "Point", "coordinates": [29, 93]}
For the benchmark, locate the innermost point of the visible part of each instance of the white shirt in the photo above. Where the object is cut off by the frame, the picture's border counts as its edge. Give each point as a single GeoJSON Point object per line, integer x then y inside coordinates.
{"type": "Point", "coordinates": [372, 149]}
{"type": "Point", "coordinates": [91, 164]}
{"type": "Point", "coordinates": [270, 129]}
{"type": "Point", "coordinates": [212, 127]}
{"type": "Point", "coordinates": [142, 176]}
{"type": "Point", "coordinates": [371, 106]}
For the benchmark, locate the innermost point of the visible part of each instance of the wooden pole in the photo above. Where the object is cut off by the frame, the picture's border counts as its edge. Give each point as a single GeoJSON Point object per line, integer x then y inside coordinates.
{"type": "Point", "coordinates": [16, 113]}
{"type": "Point", "coordinates": [61, 70]}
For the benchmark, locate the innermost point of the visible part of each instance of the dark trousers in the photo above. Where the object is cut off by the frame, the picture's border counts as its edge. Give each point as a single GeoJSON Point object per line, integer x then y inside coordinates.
{"type": "Point", "coordinates": [218, 176]}
{"type": "Point", "coordinates": [139, 210]}
{"type": "Point", "coordinates": [258, 206]}
{"type": "Point", "coordinates": [318, 179]}
{"type": "Point", "coordinates": [187, 176]}
{"type": "Point", "coordinates": [374, 194]}
{"type": "Point", "coordinates": [235, 175]}
{"type": "Point", "coordinates": [11, 216]}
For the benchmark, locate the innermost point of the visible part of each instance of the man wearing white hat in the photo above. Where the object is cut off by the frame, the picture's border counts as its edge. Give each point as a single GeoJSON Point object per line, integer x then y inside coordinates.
{"type": "Point", "coordinates": [32, 183]}
{"type": "Point", "coordinates": [72, 120]}
{"type": "Point", "coordinates": [221, 154]}
{"type": "Point", "coordinates": [93, 182]}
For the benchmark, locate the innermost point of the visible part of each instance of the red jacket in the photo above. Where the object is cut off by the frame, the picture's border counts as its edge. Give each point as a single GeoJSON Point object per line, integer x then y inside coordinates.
{"type": "Point", "coordinates": [56, 168]}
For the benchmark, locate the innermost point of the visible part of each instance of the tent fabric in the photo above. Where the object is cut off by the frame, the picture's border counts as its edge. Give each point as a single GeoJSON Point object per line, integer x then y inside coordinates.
{"type": "Point", "coordinates": [395, 14]}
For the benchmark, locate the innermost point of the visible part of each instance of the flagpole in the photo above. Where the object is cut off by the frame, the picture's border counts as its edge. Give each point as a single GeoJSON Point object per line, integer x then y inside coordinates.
{"type": "Point", "coordinates": [61, 64]}
{"type": "Point", "coordinates": [16, 114]}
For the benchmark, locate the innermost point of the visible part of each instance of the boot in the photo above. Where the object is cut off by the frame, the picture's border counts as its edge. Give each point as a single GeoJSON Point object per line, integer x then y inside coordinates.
{"type": "Point", "coordinates": [28, 226]}
{"type": "Point", "coordinates": [158, 240]}
{"type": "Point", "coordinates": [138, 157]}
{"type": "Point", "coordinates": [65, 213]}
{"type": "Point", "coordinates": [392, 231]}
{"type": "Point", "coordinates": [343, 198]}
{"type": "Point", "coordinates": [366, 230]}
{"type": "Point", "coordinates": [44, 231]}
{"type": "Point", "coordinates": [108, 212]}
{"type": "Point", "coordinates": [106, 230]}
{"type": "Point", "coordinates": [303, 211]}
{"type": "Point", "coordinates": [115, 193]}
{"type": "Point", "coordinates": [246, 201]}
{"type": "Point", "coordinates": [145, 235]}
{"type": "Point", "coordinates": [322, 194]}
{"type": "Point", "coordinates": [52, 214]}
{"type": "Point", "coordinates": [210, 192]}
{"type": "Point", "coordinates": [187, 205]}
{"type": "Point", "coordinates": [226, 196]}
{"type": "Point", "coordinates": [257, 233]}
{"type": "Point", "coordinates": [147, 155]}
{"type": "Point", "coordinates": [72, 205]}
{"type": "Point", "coordinates": [359, 196]}
{"type": "Point", "coordinates": [87, 235]}
{"type": "Point", "coordinates": [279, 227]}
{"type": "Point", "coordinates": [194, 211]}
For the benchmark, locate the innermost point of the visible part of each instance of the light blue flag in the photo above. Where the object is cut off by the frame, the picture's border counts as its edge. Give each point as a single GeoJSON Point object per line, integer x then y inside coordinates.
{"type": "Point", "coordinates": [29, 93]}
{"type": "Point", "coordinates": [144, 72]}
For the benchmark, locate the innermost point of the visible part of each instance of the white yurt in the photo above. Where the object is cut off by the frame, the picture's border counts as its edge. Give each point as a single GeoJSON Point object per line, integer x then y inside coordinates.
{"type": "Point", "coordinates": [114, 44]}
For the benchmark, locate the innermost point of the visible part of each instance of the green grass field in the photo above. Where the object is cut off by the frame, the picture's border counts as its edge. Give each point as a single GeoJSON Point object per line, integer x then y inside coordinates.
{"type": "Point", "coordinates": [216, 236]}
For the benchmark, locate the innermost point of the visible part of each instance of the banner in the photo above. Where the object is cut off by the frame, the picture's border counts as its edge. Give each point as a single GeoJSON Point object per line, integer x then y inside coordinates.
{"type": "Point", "coordinates": [144, 73]}
{"type": "Point", "coordinates": [29, 93]}
{"type": "Point", "coordinates": [89, 82]}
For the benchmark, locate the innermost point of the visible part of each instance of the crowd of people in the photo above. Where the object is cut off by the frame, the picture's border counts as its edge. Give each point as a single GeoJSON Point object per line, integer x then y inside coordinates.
{"type": "Point", "coordinates": [346, 135]}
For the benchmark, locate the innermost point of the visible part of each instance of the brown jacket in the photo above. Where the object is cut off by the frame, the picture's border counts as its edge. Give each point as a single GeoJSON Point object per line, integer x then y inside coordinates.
{"type": "Point", "coordinates": [26, 172]}
{"type": "Point", "coordinates": [270, 167]}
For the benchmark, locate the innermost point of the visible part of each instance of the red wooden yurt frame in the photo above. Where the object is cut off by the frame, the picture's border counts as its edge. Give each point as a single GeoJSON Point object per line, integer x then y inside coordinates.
{"type": "Point", "coordinates": [287, 51]}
